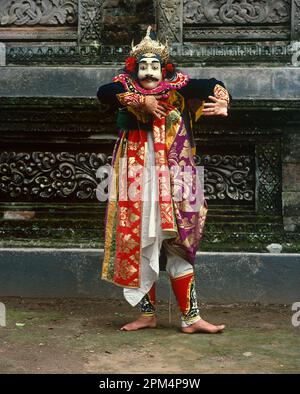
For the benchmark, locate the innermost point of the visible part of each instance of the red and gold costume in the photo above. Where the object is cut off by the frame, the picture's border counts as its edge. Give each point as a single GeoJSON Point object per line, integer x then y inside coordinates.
{"type": "Point", "coordinates": [132, 243]}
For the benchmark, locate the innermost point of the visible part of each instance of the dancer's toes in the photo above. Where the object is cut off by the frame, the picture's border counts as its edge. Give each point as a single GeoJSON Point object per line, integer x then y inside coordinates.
{"type": "Point", "coordinates": [203, 327]}
{"type": "Point", "coordinates": [141, 322]}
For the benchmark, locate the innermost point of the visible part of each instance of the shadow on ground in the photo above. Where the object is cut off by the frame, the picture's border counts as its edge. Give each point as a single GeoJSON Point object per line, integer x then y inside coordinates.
{"type": "Point", "coordinates": [83, 336]}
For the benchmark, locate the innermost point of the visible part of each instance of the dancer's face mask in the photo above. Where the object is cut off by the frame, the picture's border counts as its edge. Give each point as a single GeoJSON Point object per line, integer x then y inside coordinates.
{"type": "Point", "coordinates": [149, 72]}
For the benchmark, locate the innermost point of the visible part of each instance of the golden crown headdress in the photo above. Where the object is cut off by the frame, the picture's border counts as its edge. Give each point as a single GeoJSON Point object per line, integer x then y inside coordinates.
{"type": "Point", "coordinates": [149, 47]}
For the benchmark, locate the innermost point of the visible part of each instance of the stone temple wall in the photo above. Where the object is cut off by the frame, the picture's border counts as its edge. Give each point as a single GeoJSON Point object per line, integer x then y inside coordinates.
{"type": "Point", "coordinates": [55, 135]}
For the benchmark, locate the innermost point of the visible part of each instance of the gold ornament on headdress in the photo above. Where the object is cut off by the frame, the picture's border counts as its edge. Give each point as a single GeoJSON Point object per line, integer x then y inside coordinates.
{"type": "Point", "coordinates": [149, 47]}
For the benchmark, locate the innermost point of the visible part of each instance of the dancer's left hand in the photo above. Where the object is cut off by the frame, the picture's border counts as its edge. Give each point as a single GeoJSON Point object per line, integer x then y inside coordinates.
{"type": "Point", "coordinates": [217, 107]}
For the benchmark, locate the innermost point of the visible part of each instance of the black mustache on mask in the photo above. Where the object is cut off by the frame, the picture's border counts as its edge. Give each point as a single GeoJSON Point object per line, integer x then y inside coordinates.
{"type": "Point", "coordinates": [149, 78]}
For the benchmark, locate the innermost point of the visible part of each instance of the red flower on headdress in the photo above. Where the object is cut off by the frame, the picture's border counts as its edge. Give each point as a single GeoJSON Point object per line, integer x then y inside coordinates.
{"type": "Point", "coordinates": [130, 64]}
{"type": "Point", "coordinates": [170, 68]}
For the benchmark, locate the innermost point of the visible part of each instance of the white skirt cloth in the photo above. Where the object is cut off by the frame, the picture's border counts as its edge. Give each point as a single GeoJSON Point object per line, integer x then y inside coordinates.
{"type": "Point", "coordinates": [152, 234]}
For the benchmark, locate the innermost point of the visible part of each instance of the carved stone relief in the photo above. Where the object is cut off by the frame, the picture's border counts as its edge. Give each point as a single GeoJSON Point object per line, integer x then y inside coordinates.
{"type": "Point", "coordinates": [295, 33]}
{"type": "Point", "coordinates": [90, 21]}
{"type": "Point", "coordinates": [236, 11]}
{"type": "Point", "coordinates": [169, 20]}
{"type": "Point", "coordinates": [38, 12]}
{"type": "Point", "coordinates": [228, 177]}
{"type": "Point", "coordinates": [44, 175]}
{"type": "Point", "coordinates": [48, 175]}
{"type": "Point", "coordinates": [268, 176]}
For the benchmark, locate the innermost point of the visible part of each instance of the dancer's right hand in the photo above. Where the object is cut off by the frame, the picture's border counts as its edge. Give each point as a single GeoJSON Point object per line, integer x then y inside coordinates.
{"type": "Point", "coordinates": [155, 107]}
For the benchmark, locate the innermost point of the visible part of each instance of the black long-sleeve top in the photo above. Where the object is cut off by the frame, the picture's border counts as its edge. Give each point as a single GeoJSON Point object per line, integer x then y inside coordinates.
{"type": "Point", "coordinates": [199, 89]}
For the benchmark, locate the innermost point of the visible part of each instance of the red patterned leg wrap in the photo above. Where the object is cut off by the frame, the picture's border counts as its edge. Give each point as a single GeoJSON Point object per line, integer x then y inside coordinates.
{"type": "Point", "coordinates": [185, 293]}
{"type": "Point", "coordinates": [181, 287]}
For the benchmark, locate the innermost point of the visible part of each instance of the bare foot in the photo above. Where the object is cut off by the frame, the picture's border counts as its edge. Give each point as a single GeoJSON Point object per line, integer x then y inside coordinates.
{"type": "Point", "coordinates": [204, 327]}
{"type": "Point", "coordinates": [141, 322]}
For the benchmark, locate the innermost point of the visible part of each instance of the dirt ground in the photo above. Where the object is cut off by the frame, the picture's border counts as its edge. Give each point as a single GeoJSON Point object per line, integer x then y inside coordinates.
{"type": "Point", "coordinates": [83, 336]}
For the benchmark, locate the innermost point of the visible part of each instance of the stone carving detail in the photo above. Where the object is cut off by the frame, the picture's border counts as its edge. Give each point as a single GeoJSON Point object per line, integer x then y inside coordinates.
{"type": "Point", "coordinates": [236, 11]}
{"type": "Point", "coordinates": [268, 178]}
{"type": "Point", "coordinates": [53, 55]}
{"type": "Point", "coordinates": [91, 54]}
{"type": "Point", "coordinates": [90, 21]}
{"type": "Point", "coordinates": [38, 12]}
{"type": "Point", "coordinates": [228, 177]}
{"type": "Point", "coordinates": [295, 33]}
{"type": "Point", "coordinates": [45, 175]}
{"type": "Point", "coordinates": [169, 20]}
{"type": "Point", "coordinates": [192, 33]}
